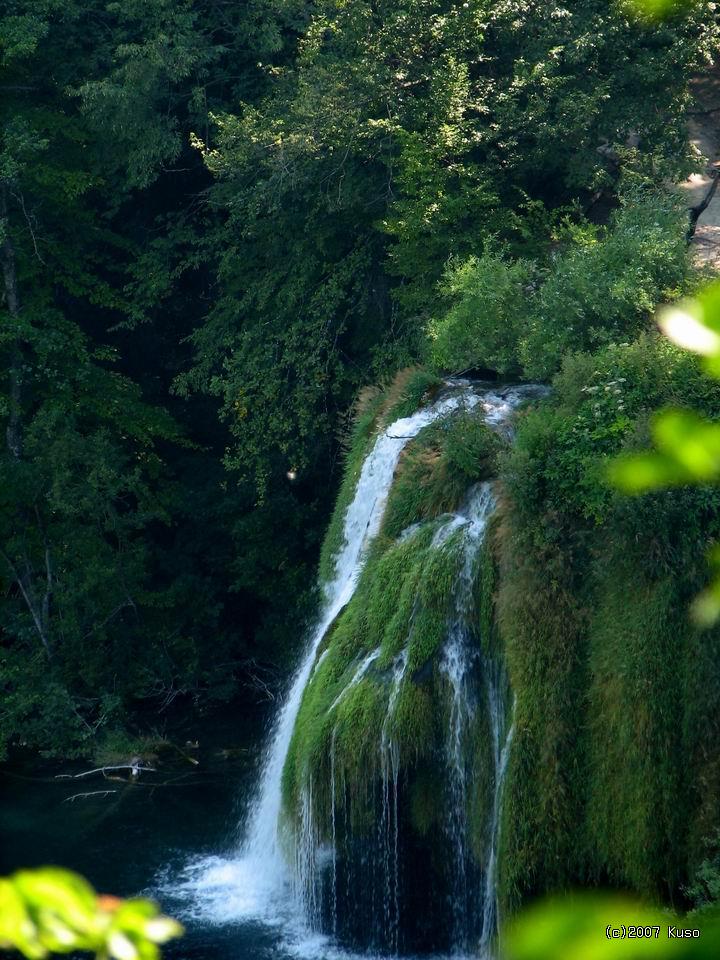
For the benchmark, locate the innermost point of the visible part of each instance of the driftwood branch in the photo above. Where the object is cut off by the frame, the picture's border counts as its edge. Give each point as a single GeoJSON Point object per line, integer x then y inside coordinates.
{"type": "Point", "coordinates": [91, 793]}
{"type": "Point", "coordinates": [135, 769]}
{"type": "Point", "coordinates": [253, 671]}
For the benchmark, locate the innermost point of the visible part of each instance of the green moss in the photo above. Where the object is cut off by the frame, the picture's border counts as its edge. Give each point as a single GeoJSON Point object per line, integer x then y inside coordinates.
{"type": "Point", "coordinates": [701, 739]}
{"type": "Point", "coordinates": [482, 785]}
{"type": "Point", "coordinates": [437, 468]}
{"type": "Point", "coordinates": [404, 601]}
{"type": "Point", "coordinates": [543, 802]}
{"type": "Point", "coordinates": [397, 629]}
{"type": "Point", "coordinates": [358, 721]}
{"type": "Point", "coordinates": [413, 725]}
{"type": "Point", "coordinates": [388, 598]}
{"type": "Point", "coordinates": [426, 800]}
{"type": "Point", "coordinates": [422, 487]}
{"type": "Point", "coordinates": [637, 805]}
{"type": "Point", "coordinates": [429, 630]}
{"type": "Point", "coordinates": [440, 573]}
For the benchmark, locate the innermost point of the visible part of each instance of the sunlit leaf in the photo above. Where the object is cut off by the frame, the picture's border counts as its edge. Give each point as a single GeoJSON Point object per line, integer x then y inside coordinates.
{"type": "Point", "coordinates": [691, 440]}
{"type": "Point", "coordinates": [55, 911]}
{"type": "Point", "coordinates": [121, 947]}
{"type": "Point", "coordinates": [688, 451]}
{"type": "Point", "coordinates": [687, 330]}
{"type": "Point", "coordinates": [643, 472]}
{"type": "Point", "coordinates": [659, 9]}
{"type": "Point", "coordinates": [16, 927]}
{"type": "Point", "coordinates": [695, 324]}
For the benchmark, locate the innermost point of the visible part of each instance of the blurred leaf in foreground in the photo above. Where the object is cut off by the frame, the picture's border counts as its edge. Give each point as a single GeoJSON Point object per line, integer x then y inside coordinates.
{"type": "Point", "coordinates": [591, 927]}
{"type": "Point", "coordinates": [50, 910]}
{"type": "Point", "coordinates": [659, 9]}
{"type": "Point", "coordinates": [688, 451]}
{"type": "Point", "coordinates": [695, 325]}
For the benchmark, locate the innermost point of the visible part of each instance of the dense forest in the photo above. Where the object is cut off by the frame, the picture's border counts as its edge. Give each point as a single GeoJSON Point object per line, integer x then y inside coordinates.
{"type": "Point", "coordinates": [219, 222]}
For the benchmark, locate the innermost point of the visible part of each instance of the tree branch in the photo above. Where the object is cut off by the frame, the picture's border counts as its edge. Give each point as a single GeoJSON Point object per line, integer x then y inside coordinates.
{"type": "Point", "coordinates": [31, 603]}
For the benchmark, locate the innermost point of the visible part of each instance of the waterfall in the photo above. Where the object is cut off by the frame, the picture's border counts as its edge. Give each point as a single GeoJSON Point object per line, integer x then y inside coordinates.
{"type": "Point", "coordinates": [263, 846]}
{"type": "Point", "coordinates": [322, 876]}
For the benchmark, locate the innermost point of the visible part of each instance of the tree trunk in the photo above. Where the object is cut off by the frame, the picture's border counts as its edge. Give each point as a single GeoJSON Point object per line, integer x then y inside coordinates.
{"type": "Point", "coordinates": [13, 434]}
{"type": "Point", "coordinates": [39, 609]}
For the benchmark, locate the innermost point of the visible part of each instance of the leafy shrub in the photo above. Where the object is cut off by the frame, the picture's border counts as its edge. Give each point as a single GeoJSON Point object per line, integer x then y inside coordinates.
{"type": "Point", "coordinates": [704, 890]}
{"type": "Point", "coordinates": [604, 290]}
{"type": "Point", "coordinates": [484, 323]}
{"type": "Point", "coordinates": [597, 290]}
{"type": "Point", "coordinates": [599, 405]}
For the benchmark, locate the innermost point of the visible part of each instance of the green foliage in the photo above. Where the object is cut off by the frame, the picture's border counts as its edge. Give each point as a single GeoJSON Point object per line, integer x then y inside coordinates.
{"type": "Point", "coordinates": [687, 444]}
{"type": "Point", "coordinates": [123, 547]}
{"type": "Point", "coordinates": [704, 890]}
{"type": "Point", "coordinates": [401, 137]}
{"type": "Point", "coordinates": [216, 223]}
{"type": "Point", "coordinates": [486, 321]}
{"type": "Point", "coordinates": [598, 288]}
{"type": "Point", "coordinates": [53, 911]}
{"type": "Point", "coordinates": [603, 290]}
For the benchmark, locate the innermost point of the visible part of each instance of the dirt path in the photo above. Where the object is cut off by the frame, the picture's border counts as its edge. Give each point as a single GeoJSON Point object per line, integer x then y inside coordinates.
{"type": "Point", "coordinates": [704, 129]}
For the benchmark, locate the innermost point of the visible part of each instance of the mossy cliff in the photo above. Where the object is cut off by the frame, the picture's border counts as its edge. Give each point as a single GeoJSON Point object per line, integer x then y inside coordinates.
{"type": "Point", "coordinates": [613, 777]}
{"type": "Point", "coordinates": [577, 606]}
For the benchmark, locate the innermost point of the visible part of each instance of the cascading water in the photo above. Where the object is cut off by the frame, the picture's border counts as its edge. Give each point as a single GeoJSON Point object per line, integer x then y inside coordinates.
{"type": "Point", "coordinates": [388, 824]}
{"type": "Point", "coordinates": [362, 522]}
{"type": "Point", "coordinates": [457, 662]}
{"type": "Point", "coordinates": [309, 867]}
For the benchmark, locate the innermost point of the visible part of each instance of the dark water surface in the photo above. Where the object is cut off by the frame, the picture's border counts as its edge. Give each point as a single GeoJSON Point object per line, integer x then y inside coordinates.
{"type": "Point", "coordinates": [143, 837]}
